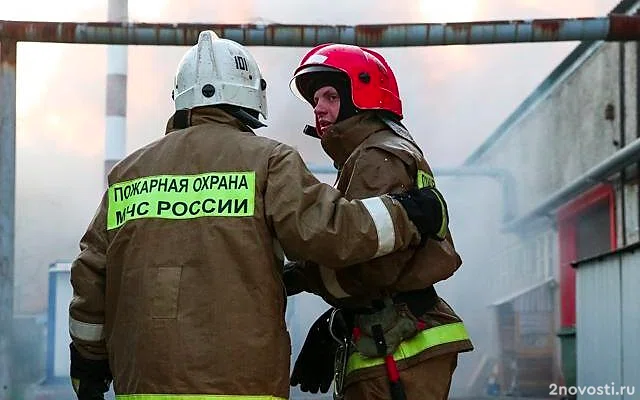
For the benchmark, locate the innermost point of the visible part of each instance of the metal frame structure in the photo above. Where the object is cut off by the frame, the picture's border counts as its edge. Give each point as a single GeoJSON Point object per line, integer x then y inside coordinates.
{"type": "Point", "coordinates": [613, 27]}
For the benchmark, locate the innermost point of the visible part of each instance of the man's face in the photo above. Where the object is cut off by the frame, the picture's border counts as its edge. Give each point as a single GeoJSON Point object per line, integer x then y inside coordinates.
{"type": "Point", "coordinates": [327, 107]}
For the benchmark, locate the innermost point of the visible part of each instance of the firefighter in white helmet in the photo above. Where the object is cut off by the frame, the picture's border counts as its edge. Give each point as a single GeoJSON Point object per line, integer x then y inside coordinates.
{"type": "Point", "coordinates": [177, 290]}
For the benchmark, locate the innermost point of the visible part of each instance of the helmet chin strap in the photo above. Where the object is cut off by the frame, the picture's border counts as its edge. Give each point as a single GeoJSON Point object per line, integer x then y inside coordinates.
{"type": "Point", "coordinates": [182, 118]}
{"type": "Point", "coordinates": [311, 131]}
{"type": "Point", "coordinates": [251, 121]}
{"type": "Point", "coordinates": [347, 108]}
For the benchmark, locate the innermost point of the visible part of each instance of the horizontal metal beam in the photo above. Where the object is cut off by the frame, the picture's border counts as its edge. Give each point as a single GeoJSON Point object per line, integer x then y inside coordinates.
{"type": "Point", "coordinates": [614, 27]}
{"type": "Point", "coordinates": [601, 172]}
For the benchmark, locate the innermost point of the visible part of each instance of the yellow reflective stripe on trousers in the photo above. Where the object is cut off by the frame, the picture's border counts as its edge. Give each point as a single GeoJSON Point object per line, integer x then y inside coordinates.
{"type": "Point", "coordinates": [422, 341]}
{"type": "Point", "coordinates": [195, 397]}
{"type": "Point", "coordinates": [213, 194]}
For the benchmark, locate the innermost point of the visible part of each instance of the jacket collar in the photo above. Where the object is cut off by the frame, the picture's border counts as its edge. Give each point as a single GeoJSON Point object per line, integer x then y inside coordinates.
{"type": "Point", "coordinates": [204, 115]}
{"type": "Point", "coordinates": [341, 139]}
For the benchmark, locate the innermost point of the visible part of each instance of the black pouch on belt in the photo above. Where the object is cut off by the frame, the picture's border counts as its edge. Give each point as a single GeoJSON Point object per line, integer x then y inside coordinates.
{"type": "Point", "coordinates": [395, 317]}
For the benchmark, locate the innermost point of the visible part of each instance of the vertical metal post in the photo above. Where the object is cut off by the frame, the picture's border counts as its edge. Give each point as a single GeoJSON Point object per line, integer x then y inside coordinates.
{"type": "Point", "coordinates": [7, 207]}
{"type": "Point", "coordinates": [116, 102]}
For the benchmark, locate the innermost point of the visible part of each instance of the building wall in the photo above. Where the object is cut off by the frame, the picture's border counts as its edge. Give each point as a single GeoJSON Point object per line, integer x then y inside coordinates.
{"type": "Point", "coordinates": [565, 132]}
{"type": "Point", "coordinates": [558, 139]}
{"type": "Point", "coordinates": [607, 310]}
{"type": "Point", "coordinates": [628, 228]}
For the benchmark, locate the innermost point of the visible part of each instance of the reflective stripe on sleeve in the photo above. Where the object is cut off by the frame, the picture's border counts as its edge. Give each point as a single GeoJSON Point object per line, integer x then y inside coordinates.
{"type": "Point", "coordinates": [86, 331]}
{"type": "Point", "coordinates": [384, 225]}
{"type": "Point", "coordinates": [330, 281]}
{"type": "Point", "coordinates": [195, 397]}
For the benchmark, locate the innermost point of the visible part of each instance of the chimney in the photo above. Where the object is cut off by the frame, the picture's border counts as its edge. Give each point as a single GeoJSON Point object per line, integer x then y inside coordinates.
{"type": "Point", "coordinates": [116, 102]}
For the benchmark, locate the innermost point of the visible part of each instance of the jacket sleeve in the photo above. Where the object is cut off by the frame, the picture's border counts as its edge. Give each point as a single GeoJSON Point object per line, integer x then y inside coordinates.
{"type": "Point", "coordinates": [378, 171]}
{"type": "Point", "coordinates": [313, 222]}
{"type": "Point", "coordinates": [375, 172]}
{"type": "Point", "coordinates": [88, 277]}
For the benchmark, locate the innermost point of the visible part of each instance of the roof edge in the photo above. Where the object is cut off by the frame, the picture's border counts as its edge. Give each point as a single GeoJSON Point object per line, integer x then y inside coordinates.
{"type": "Point", "coordinates": [562, 70]}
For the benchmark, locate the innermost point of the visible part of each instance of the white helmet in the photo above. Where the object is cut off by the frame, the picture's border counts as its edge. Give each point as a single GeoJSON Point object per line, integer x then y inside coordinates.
{"type": "Point", "coordinates": [219, 71]}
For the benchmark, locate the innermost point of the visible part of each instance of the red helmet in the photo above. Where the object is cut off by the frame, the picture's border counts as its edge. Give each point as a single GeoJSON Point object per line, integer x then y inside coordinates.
{"type": "Point", "coordinates": [373, 85]}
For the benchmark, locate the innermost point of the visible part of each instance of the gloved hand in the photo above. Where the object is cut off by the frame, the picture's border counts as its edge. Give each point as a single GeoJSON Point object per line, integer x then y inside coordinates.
{"type": "Point", "coordinates": [90, 378]}
{"type": "Point", "coordinates": [294, 279]}
{"type": "Point", "coordinates": [427, 210]}
{"type": "Point", "coordinates": [313, 370]}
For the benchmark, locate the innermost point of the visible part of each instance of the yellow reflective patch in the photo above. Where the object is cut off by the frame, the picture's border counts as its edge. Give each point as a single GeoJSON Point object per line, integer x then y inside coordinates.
{"type": "Point", "coordinates": [195, 397]}
{"type": "Point", "coordinates": [75, 382]}
{"type": "Point", "coordinates": [422, 341]}
{"type": "Point", "coordinates": [425, 180]}
{"type": "Point", "coordinates": [214, 194]}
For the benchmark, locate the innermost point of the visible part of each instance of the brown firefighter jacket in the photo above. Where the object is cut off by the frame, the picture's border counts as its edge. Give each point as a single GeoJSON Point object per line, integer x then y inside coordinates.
{"type": "Point", "coordinates": [179, 278]}
{"type": "Point", "coordinates": [373, 159]}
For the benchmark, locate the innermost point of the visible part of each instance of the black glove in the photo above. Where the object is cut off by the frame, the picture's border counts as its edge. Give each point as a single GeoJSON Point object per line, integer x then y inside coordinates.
{"type": "Point", "coordinates": [294, 278]}
{"type": "Point", "coordinates": [313, 369]}
{"type": "Point", "coordinates": [427, 210]}
{"type": "Point", "coordinates": [90, 378]}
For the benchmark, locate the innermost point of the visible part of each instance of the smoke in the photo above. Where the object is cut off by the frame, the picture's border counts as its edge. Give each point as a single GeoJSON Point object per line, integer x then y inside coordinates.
{"type": "Point", "coordinates": [453, 98]}
{"type": "Point", "coordinates": [475, 208]}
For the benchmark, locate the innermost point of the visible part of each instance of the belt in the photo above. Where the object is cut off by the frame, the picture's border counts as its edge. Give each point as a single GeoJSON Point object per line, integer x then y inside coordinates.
{"type": "Point", "coordinates": [418, 301]}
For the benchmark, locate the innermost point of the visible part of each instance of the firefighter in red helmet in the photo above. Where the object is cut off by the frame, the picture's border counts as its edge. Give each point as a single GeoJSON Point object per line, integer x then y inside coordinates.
{"type": "Point", "coordinates": [388, 334]}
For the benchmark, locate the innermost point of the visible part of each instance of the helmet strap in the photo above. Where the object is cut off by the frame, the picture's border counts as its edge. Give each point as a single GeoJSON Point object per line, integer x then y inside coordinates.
{"type": "Point", "coordinates": [245, 116]}
{"type": "Point", "coordinates": [182, 119]}
{"type": "Point", "coordinates": [311, 131]}
{"type": "Point", "coordinates": [347, 108]}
